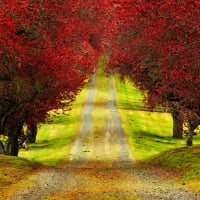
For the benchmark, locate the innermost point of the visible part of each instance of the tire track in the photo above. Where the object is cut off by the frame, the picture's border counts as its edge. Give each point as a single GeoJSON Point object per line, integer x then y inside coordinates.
{"type": "Point", "coordinates": [86, 126]}
{"type": "Point", "coordinates": [124, 151]}
{"type": "Point", "coordinates": [109, 142]}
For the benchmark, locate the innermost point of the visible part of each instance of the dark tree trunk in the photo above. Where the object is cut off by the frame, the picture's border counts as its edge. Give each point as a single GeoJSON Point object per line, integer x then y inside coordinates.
{"type": "Point", "coordinates": [189, 138]}
{"type": "Point", "coordinates": [2, 148]}
{"type": "Point", "coordinates": [177, 125]}
{"type": "Point", "coordinates": [193, 122]}
{"type": "Point", "coordinates": [31, 133]}
{"type": "Point", "coordinates": [12, 144]}
{"type": "Point", "coordinates": [12, 147]}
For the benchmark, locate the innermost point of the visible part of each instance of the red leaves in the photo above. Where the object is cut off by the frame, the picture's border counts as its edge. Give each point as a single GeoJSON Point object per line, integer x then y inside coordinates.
{"type": "Point", "coordinates": [162, 56]}
{"type": "Point", "coordinates": [48, 49]}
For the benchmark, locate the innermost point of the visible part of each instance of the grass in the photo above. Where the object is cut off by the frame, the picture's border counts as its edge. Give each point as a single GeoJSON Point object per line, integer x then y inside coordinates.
{"type": "Point", "coordinates": [186, 160]}
{"type": "Point", "coordinates": [52, 147]}
{"type": "Point", "coordinates": [54, 140]}
{"type": "Point", "coordinates": [150, 137]}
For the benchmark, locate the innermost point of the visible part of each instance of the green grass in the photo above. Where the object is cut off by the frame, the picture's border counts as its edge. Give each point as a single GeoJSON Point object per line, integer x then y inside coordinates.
{"type": "Point", "coordinates": [149, 133]}
{"type": "Point", "coordinates": [54, 139]}
{"type": "Point", "coordinates": [52, 146]}
{"type": "Point", "coordinates": [150, 136]}
{"type": "Point", "coordinates": [129, 97]}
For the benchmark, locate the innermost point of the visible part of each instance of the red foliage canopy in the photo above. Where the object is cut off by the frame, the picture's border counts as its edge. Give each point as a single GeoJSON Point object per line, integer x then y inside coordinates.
{"type": "Point", "coordinates": [47, 51]}
{"type": "Point", "coordinates": [158, 46]}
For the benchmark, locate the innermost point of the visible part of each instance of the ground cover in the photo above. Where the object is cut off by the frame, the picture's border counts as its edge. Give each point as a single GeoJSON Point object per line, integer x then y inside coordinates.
{"type": "Point", "coordinates": [150, 138]}
{"type": "Point", "coordinates": [52, 147]}
{"type": "Point", "coordinates": [55, 138]}
{"type": "Point", "coordinates": [12, 170]}
{"type": "Point", "coordinates": [86, 179]}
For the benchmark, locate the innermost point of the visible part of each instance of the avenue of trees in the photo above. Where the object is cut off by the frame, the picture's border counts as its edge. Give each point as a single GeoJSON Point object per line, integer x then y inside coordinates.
{"type": "Point", "coordinates": [49, 49]}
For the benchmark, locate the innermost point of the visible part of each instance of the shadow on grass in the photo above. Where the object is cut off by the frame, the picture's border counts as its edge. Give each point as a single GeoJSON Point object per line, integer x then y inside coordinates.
{"type": "Point", "coordinates": [62, 119]}
{"type": "Point", "coordinates": [141, 108]}
{"type": "Point", "coordinates": [149, 136]}
{"type": "Point", "coordinates": [54, 144]}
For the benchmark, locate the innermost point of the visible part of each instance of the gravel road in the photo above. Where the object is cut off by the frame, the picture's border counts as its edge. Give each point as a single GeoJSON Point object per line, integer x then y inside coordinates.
{"type": "Point", "coordinates": [101, 166]}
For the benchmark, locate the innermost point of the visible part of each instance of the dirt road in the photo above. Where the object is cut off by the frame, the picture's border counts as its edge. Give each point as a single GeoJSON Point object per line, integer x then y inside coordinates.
{"type": "Point", "coordinates": [101, 166]}
{"type": "Point", "coordinates": [107, 142]}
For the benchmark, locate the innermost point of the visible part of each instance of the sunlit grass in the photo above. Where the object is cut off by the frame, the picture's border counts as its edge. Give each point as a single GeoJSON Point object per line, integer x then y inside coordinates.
{"type": "Point", "coordinates": [149, 133]}
{"type": "Point", "coordinates": [54, 139]}
{"type": "Point", "coordinates": [150, 136]}
{"type": "Point", "coordinates": [129, 97]}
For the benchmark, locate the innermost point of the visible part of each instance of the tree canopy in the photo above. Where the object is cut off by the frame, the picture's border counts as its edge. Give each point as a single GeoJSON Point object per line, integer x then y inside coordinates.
{"type": "Point", "coordinates": [48, 49]}
{"type": "Point", "coordinates": [157, 46]}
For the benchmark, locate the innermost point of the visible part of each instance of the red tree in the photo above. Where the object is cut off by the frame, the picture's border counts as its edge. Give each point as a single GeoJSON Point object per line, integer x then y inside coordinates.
{"type": "Point", "coordinates": [158, 48]}
{"type": "Point", "coordinates": [48, 49]}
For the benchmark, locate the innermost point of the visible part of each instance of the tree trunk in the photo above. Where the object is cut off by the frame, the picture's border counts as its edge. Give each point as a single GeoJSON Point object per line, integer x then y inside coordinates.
{"type": "Point", "coordinates": [12, 147]}
{"type": "Point", "coordinates": [12, 144]}
{"type": "Point", "coordinates": [31, 133]}
{"type": "Point", "coordinates": [189, 138]}
{"type": "Point", "coordinates": [193, 122]}
{"type": "Point", "coordinates": [2, 148]}
{"type": "Point", "coordinates": [177, 125]}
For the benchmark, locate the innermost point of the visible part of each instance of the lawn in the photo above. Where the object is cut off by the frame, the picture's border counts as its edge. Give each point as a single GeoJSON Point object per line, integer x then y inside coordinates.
{"type": "Point", "coordinates": [150, 137]}
{"type": "Point", "coordinates": [55, 139]}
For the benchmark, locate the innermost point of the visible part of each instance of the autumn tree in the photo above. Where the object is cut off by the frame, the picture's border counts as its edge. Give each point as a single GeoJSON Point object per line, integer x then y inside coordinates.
{"type": "Point", "coordinates": [158, 48]}
{"type": "Point", "coordinates": [48, 49]}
